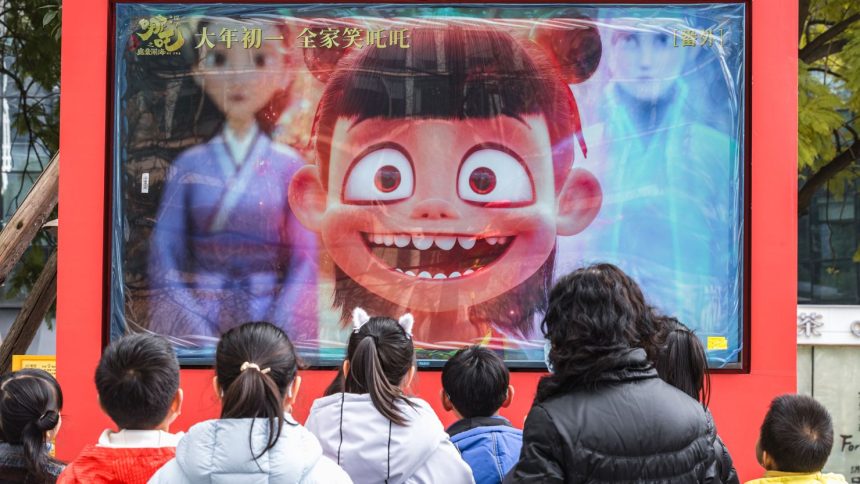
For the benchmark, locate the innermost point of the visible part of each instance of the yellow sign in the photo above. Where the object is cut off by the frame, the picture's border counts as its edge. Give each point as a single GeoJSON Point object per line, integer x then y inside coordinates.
{"type": "Point", "coordinates": [717, 343]}
{"type": "Point", "coordinates": [42, 362]}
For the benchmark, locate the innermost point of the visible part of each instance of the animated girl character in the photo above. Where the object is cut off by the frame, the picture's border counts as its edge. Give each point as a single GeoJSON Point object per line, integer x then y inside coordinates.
{"type": "Point", "coordinates": [225, 240]}
{"type": "Point", "coordinates": [670, 211]}
{"type": "Point", "coordinates": [443, 177]}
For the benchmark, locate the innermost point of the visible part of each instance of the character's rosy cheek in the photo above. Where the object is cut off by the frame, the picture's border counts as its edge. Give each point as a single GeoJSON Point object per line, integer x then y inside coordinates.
{"type": "Point", "coordinates": [383, 175]}
{"type": "Point", "coordinates": [494, 178]}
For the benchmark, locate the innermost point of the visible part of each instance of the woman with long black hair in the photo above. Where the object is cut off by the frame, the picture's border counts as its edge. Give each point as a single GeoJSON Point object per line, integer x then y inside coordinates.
{"type": "Point", "coordinates": [604, 415]}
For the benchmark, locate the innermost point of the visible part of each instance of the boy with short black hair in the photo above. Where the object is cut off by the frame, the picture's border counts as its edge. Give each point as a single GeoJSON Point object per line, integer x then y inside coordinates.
{"type": "Point", "coordinates": [795, 442]}
{"type": "Point", "coordinates": [475, 385]}
{"type": "Point", "coordinates": [138, 385]}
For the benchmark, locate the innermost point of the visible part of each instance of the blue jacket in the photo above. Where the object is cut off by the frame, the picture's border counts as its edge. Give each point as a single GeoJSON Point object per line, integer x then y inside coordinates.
{"type": "Point", "coordinates": [490, 445]}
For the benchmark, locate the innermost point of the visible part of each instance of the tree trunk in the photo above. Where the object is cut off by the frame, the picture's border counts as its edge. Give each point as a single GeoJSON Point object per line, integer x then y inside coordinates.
{"type": "Point", "coordinates": [29, 218]}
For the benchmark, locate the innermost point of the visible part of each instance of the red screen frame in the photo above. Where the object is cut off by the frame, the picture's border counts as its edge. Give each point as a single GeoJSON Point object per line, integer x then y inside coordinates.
{"type": "Point", "coordinates": [738, 402]}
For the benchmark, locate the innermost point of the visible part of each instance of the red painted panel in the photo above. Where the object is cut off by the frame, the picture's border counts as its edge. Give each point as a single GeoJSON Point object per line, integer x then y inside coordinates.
{"type": "Point", "coordinates": [739, 400]}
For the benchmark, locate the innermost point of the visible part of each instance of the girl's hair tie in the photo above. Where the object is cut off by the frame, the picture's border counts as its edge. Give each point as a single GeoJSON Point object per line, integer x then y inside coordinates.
{"type": "Point", "coordinates": [255, 366]}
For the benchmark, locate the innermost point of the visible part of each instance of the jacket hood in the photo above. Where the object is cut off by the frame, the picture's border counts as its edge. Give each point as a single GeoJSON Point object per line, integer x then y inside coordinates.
{"type": "Point", "coordinates": [222, 447]}
{"type": "Point", "coordinates": [364, 450]}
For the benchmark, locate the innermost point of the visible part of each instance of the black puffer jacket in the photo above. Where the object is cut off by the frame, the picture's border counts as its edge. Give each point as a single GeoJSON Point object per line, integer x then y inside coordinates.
{"type": "Point", "coordinates": [633, 427]}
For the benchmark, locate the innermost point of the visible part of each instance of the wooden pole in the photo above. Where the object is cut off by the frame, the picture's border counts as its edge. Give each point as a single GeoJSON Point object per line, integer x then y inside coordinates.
{"type": "Point", "coordinates": [30, 216]}
{"type": "Point", "coordinates": [24, 328]}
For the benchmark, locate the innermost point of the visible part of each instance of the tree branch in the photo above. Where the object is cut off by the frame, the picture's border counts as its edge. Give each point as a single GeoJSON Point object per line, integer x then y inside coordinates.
{"type": "Point", "coordinates": [812, 51]}
{"type": "Point", "coordinates": [804, 13]}
{"type": "Point", "coordinates": [828, 71]}
{"type": "Point", "coordinates": [823, 51]}
{"type": "Point", "coordinates": [825, 174]}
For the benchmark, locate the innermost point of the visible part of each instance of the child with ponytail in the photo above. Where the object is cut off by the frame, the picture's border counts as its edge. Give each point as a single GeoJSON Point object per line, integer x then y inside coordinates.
{"type": "Point", "coordinates": [371, 428]}
{"type": "Point", "coordinates": [256, 439]}
{"type": "Point", "coordinates": [30, 404]}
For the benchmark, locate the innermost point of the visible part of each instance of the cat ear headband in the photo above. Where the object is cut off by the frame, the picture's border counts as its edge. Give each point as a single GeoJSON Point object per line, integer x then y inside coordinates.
{"type": "Point", "coordinates": [360, 318]}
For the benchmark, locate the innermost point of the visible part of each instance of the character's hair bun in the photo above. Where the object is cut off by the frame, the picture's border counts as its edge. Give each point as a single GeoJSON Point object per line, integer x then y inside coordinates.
{"type": "Point", "coordinates": [572, 44]}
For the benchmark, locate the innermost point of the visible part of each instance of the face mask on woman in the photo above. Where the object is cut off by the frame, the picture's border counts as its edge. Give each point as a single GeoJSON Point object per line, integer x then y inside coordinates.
{"type": "Point", "coordinates": [547, 347]}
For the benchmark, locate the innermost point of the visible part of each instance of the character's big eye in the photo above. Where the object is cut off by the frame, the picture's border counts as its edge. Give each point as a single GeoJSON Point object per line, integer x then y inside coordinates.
{"type": "Point", "coordinates": [383, 175]}
{"type": "Point", "coordinates": [494, 177]}
{"type": "Point", "coordinates": [215, 60]}
{"type": "Point", "coordinates": [260, 60]}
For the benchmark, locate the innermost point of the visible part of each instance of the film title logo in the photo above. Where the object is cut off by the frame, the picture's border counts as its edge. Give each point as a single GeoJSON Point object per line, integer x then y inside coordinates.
{"type": "Point", "coordinates": [697, 38]}
{"type": "Point", "coordinates": [247, 37]}
{"type": "Point", "coordinates": [334, 38]}
{"type": "Point", "coordinates": [158, 35]}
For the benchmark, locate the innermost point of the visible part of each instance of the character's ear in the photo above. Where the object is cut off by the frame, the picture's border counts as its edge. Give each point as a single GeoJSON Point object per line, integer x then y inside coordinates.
{"type": "Point", "coordinates": [359, 318]}
{"type": "Point", "coordinates": [578, 202]}
{"type": "Point", "coordinates": [572, 44]}
{"type": "Point", "coordinates": [307, 197]}
{"type": "Point", "coordinates": [406, 321]}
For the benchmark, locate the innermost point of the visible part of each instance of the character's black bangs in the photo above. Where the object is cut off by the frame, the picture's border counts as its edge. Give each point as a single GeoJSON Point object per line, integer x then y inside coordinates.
{"type": "Point", "coordinates": [453, 74]}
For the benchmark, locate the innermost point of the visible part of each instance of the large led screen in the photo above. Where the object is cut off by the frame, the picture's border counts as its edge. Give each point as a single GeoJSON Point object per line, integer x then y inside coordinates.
{"type": "Point", "coordinates": [289, 163]}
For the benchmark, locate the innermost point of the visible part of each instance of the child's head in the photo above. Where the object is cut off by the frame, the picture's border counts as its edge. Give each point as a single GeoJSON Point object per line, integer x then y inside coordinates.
{"type": "Point", "coordinates": [682, 361]}
{"type": "Point", "coordinates": [256, 375]}
{"type": "Point", "coordinates": [30, 405]}
{"type": "Point", "coordinates": [796, 435]}
{"type": "Point", "coordinates": [444, 173]}
{"type": "Point", "coordinates": [138, 382]}
{"type": "Point", "coordinates": [380, 361]}
{"type": "Point", "coordinates": [475, 383]}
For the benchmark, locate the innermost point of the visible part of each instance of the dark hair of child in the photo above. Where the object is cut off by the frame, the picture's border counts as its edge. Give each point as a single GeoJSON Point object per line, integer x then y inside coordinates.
{"type": "Point", "coordinates": [476, 381]}
{"type": "Point", "coordinates": [256, 391]}
{"type": "Point", "coordinates": [682, 361]}
{"type": "Point", "coordinates": [30, 405]}
{"type": "Point", "coordinates": [137, 379]}
{"type": "Point", "coordinates": [380, 355]}
{"type": "Point", "coordinates": [797, 433]}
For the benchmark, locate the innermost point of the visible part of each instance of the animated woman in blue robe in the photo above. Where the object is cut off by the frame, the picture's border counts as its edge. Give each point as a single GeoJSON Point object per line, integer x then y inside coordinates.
{"type": "Point", "coordinates": [226, 245]}
{"type": "Point", "coordinates": [671, 214]}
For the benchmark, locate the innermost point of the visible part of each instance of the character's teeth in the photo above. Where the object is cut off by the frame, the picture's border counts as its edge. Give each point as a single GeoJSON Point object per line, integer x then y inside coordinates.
{"type": "Point", "coordinates": [440, 276]}
{"type": "Point", "coordinates": [377, 239]}
{"type": "Point", "coordinates": [422, 242]}
{"type": "Point", "coordinates": [502, 240]}
{"type": "Point", "coordinates": [453, 275]}
{"type": "Point", "coordinates": [445, 243]}
{"type": "Point", "coordinates": [424, 275]}
{"type": "Point", "coordinates": [467, 242]}
{"type": "Point", "coordinates": [492, 240]}
{"type": "Point", "coordinates": [399, 270]}
{"type": "Point", "coordinates": [467, 272]}
{"type": "Point", "coordinates": [388, 239]}
{"type": "Point", "coordinates": [401, 240]}
{"type": "Point", "coordinates": [410, 273]}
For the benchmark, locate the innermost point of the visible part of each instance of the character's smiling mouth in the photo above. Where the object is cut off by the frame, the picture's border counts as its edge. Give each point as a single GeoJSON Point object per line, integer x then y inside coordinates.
{"type": "Point", "coordinates": [437, 256]}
